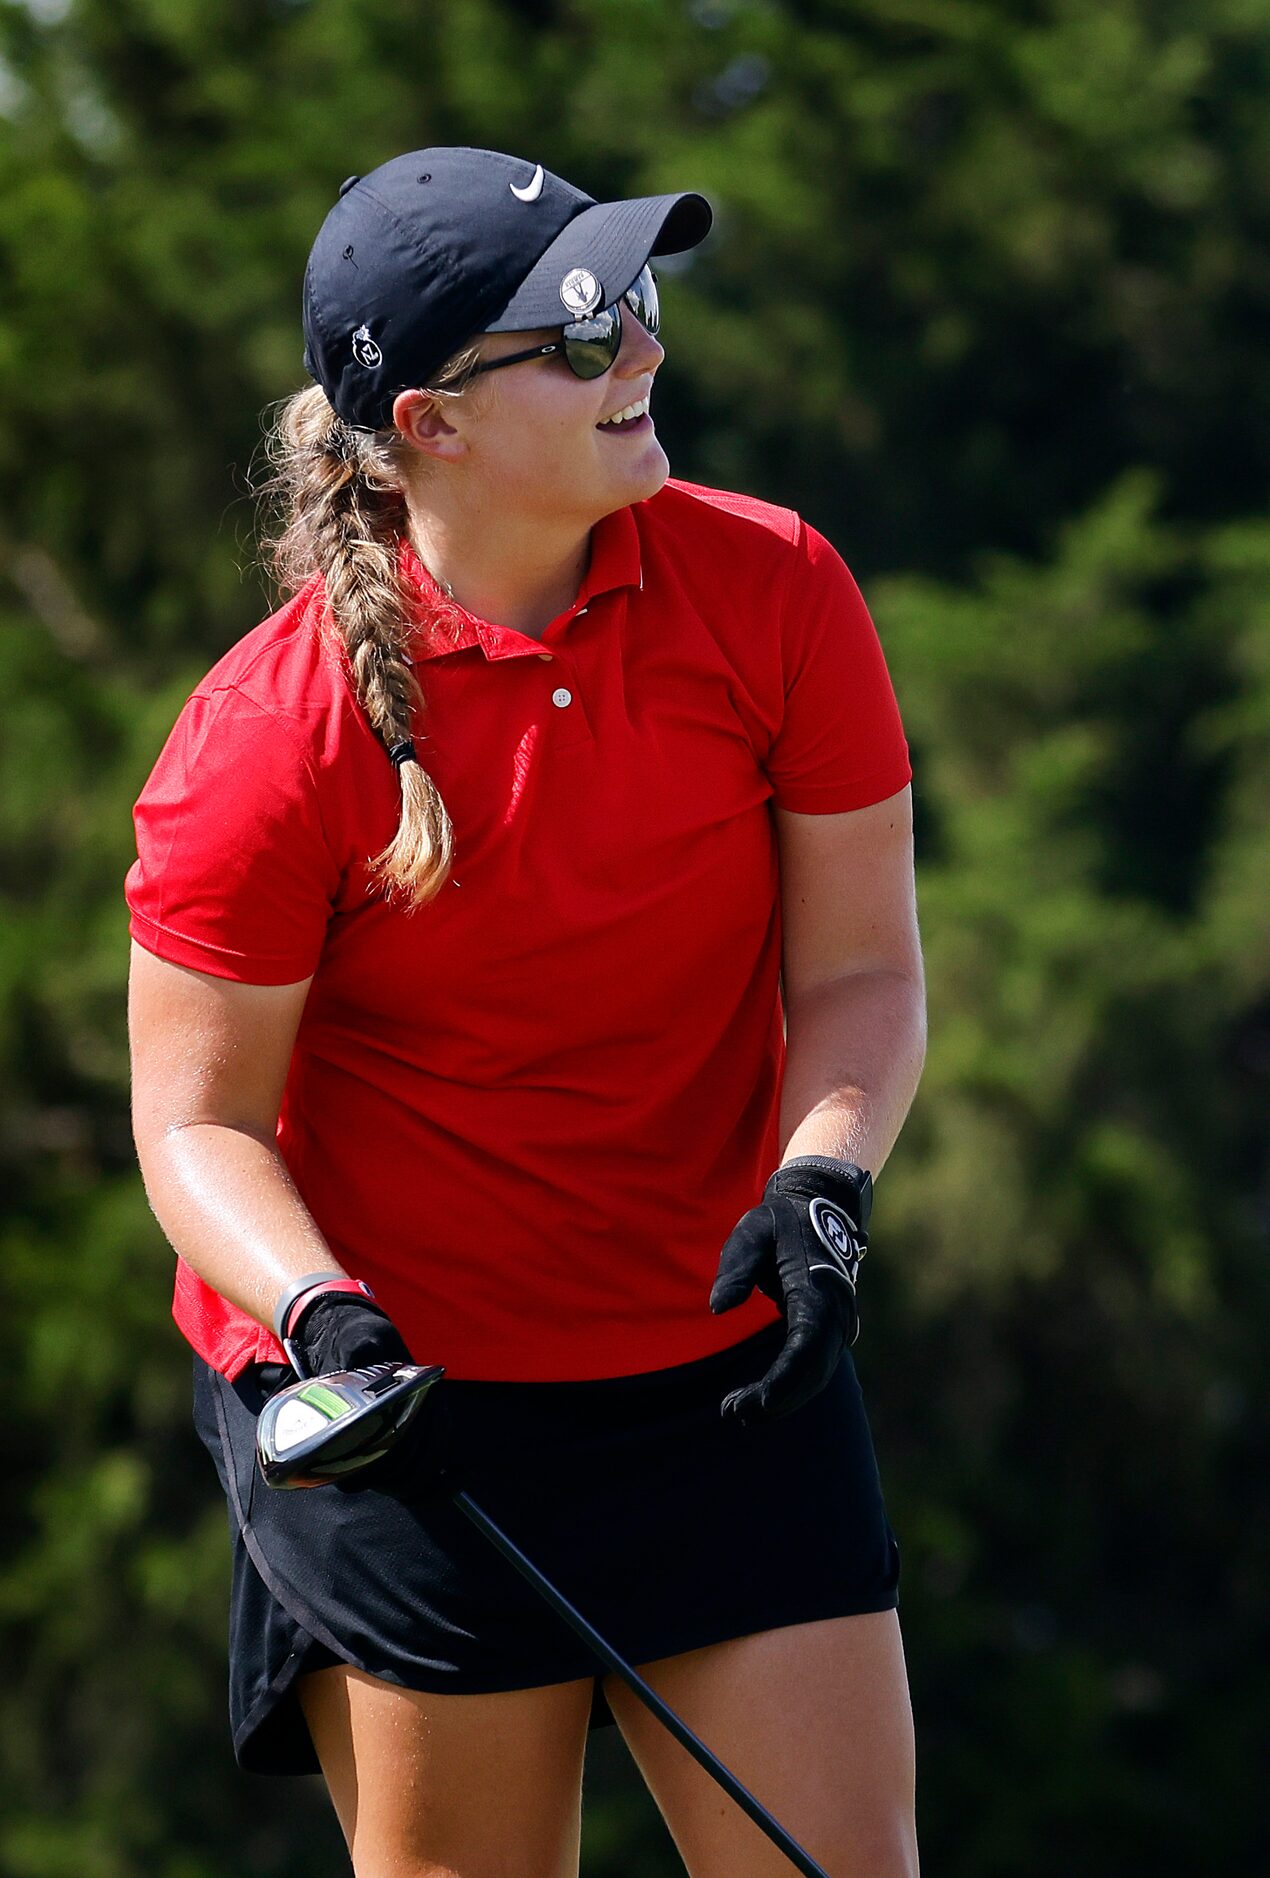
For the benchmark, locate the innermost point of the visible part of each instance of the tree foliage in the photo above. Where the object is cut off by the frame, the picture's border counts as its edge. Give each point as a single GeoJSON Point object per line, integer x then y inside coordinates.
{"type": "Point", "coordinates": [985, 300]}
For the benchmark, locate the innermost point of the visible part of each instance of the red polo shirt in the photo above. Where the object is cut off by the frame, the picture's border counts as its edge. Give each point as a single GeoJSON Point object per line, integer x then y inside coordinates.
{"type": "Point", "coordinates": [530, 1112]}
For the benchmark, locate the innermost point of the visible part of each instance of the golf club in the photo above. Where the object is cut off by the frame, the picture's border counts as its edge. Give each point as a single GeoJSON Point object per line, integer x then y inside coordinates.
{"type": "Point", "coordinates": [319, 1429]}
{"type": "Point", "coordinates": [647, 1695]}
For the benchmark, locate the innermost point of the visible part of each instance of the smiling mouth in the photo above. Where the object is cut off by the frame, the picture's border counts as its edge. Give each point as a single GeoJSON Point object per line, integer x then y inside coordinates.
{"type": "Point", "coordinates": [633, 417]}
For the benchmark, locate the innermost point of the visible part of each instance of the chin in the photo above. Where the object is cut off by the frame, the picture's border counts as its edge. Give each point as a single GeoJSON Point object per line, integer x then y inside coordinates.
{"type": "Point", "coordinates": [647, 478]}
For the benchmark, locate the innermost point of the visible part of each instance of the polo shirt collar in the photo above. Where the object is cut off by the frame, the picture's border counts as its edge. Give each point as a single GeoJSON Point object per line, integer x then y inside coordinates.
{"type": "Point", "coordinates": [447, 627]}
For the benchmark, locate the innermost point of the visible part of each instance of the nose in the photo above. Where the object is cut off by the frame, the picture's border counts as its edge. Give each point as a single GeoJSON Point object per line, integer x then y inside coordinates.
{"type": "Point", "coordinates": [640, 351]}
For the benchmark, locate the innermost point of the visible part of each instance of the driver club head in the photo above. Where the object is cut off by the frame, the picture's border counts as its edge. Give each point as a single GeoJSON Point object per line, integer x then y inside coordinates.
{"type": "Point", "coordinates": [322, 1428]}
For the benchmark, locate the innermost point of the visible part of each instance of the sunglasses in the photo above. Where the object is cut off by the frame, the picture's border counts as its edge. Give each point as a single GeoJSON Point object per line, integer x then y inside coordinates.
{"type": "Point", "coordinates": [591, 345]}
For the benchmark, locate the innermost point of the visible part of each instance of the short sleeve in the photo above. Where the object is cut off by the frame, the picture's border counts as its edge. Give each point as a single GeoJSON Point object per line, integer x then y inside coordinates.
{"type": "Point", "coordinates": [841, 744]}
{"type": "Point", "coordinates": [233, 874]}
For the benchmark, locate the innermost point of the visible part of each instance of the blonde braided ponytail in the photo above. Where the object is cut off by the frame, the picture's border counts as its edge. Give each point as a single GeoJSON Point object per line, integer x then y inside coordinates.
{"type": "Point", "coordinates": [341, 510]}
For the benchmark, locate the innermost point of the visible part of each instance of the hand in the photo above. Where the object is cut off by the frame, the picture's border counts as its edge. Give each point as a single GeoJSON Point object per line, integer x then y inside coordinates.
{"type": "Point", "coordinates": [343, 1330]}
{"type": "Point", "coordinates": [340, 1330]}
{"type": "Point", "coordinates": [802, 1246]}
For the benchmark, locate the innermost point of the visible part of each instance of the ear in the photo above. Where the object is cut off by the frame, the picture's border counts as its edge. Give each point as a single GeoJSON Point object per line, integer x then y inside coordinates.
{"type": "Point", "coordinates": [422, 422]}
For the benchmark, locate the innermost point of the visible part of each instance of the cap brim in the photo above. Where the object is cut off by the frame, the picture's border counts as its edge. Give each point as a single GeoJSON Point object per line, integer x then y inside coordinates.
{"type": "Point", "coordinates": [611, 240]}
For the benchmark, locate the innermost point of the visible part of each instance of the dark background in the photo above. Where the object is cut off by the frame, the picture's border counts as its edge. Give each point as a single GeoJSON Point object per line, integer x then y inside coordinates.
{"type": "Point", "coordinates": [987, 300]}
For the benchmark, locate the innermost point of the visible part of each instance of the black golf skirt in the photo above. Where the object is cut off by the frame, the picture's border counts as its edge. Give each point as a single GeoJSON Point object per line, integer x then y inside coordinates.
{"type": "Point", "coordinates": [665, 1526]}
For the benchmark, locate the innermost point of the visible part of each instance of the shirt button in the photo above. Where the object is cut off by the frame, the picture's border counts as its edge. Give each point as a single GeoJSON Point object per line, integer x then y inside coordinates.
{"type": "Point", "coordinates": [545, 655]}
{"type": "Point", "coordinates": [562, 697]}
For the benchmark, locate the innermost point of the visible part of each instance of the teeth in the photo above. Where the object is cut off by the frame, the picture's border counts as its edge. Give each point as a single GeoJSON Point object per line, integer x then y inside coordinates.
{"type": "Point", "coordinates": [620, 417]}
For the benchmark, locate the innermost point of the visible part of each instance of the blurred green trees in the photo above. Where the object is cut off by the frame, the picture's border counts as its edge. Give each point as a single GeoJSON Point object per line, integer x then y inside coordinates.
{"type": "Point", "coordinates": [986, 300]}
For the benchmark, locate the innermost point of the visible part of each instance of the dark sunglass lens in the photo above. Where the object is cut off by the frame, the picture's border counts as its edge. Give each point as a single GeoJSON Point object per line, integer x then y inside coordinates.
{"type": "Point", "coordinates": [591, 345]}
{"type": "Point", "coordinates": [641, 298]}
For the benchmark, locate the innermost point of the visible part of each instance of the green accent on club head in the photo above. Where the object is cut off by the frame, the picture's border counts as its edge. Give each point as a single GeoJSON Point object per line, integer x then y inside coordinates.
{"type": "Point", "coordinates": [326, 1401]}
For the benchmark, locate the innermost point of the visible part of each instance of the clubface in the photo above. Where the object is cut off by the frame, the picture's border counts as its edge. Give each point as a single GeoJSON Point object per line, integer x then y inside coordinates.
{"type": "Point", "coordinates": [316, 1430]}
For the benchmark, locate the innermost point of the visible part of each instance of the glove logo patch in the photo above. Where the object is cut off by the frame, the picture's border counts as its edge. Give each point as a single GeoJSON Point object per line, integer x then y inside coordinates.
{"type": "Point", "coordinates": [834, 1231]}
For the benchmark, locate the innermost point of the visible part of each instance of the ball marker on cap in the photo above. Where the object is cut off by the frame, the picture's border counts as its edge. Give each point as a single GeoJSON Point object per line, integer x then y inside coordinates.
{"type": "Point", "coordinates": [580, 291]}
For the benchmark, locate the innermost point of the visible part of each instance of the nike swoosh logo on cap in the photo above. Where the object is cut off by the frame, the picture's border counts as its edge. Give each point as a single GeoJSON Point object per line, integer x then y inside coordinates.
{"type": "Point", "coordinates": [532, 190]}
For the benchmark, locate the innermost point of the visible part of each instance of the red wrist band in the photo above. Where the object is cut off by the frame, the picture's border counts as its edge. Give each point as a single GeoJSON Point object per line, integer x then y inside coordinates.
{"type": "Point", "coordinates": [304, 1290]}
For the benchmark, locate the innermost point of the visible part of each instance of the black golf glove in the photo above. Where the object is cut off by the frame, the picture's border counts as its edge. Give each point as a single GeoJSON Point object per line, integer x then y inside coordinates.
{"type": "Point", "coordinates": [336, 1330]}
{"type": "Point", "coordinates": [802, 1246]}
{"type": "Point", "coordinates": [342, 1330]}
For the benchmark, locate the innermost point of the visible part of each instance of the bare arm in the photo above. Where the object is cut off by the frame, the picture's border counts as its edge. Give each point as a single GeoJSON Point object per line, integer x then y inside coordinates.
{"type": "Point", "coordinates": [853, 984]}
{"type": "Point", "coordinates": [209, 1063]}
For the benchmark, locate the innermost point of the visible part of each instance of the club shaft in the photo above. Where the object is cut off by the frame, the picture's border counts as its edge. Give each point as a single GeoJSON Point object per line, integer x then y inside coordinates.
{"type": "Point", "coordinates": [802, 1861]}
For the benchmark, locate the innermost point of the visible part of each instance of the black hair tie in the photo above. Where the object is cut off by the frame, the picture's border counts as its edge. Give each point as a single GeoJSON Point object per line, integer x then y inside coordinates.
{"type": "Point", "coordinates": [403, 752]}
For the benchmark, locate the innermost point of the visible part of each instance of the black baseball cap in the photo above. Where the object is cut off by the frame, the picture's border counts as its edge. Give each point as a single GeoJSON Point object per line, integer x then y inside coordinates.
{"type": "Point", "coordinates": [440, 244]}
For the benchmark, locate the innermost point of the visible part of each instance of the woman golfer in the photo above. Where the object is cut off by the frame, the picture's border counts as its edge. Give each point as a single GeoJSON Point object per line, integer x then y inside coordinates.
{"type": "Point", "coordinates": [525, 973]}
